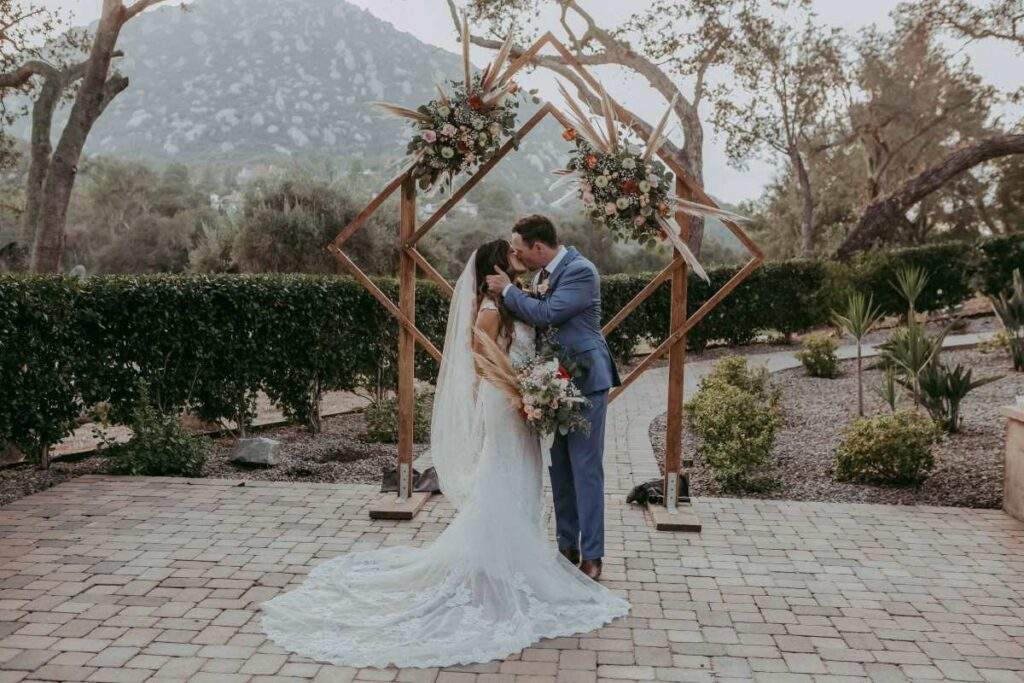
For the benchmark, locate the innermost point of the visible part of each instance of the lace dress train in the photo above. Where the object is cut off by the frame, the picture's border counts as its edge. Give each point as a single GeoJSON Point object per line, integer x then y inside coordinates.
{"type": "Point", "coordinates": [490, 585]}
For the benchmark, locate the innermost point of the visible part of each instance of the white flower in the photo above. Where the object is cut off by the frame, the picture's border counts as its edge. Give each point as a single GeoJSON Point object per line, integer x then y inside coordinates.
{"type": "Point", "coordinates": [629, 163]}
{"type": "Point", "coordinates": [482, 138]}
{"type": "Point", "coordinates": [443, 111]}
{"type": "Point", "coordinates": [448, 130]}
{"type": "Point", "coordinates": [494, 129]}
{"type": "Point", "coordinates": [478, 124]}
{"type": "Point", "coordinates": [447, 152]}
{"type": "Point", "coordinates": [601, 181]}
{"type": "Point", "coordinates": [622, 202]}
{"type": "Point", "coordinates": [645, 186]}
{"type": "Point", "coordinates": [653, 179]}
{"type": "Point", "coordinates": [645, 200]}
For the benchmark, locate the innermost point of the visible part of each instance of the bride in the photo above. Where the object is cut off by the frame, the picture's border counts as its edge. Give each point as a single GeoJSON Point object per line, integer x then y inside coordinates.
{"type": "Point", "coordinates": [492, 583]}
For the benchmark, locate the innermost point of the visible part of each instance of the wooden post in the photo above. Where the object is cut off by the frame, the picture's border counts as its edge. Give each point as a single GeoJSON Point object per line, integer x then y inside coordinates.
{"type": "Point", "coordinates": [406, 341]}
{"type": "Point", "coordinates": [676, 365]}
{"type": "Point", "coordinates": [670, 518]}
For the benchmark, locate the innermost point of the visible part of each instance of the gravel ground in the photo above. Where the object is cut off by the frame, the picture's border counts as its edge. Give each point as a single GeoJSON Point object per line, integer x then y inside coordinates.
{"type": "Point", "coordinates": [968, 466]}
{"type": "Point", "coordinates": [337, 455]}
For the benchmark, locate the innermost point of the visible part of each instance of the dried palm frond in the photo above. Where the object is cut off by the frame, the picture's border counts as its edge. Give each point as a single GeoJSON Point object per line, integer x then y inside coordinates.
{"type": "Point", "coordinates": [683, 249]}
{"type": "Point", "coordinates": [704, 210]}
{"type": "Point", "coordinates": [497, 96]}
{"type": "Point", "coordinates": [466, 67]}
{"type": "Point", "coordinates": [608, 109]}
{"type": "Point", "coordinates": [657, 139]}
{"type": "Point", "coordinates": [442, 96]}
{"type": "Point", "coordinates": [495, 68]}
{"type": "Point", "coordinates": [581, 122]}
{"type": "Point", "coordinates": [402, 112]}
{"type": "Point", "coordinates": [494, 366]}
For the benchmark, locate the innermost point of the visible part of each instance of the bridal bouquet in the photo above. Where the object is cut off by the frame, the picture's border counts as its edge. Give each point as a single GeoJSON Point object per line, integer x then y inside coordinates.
{"type": "Point", "coordinates": [460, 129]}
{"type": "Point", "coordinates": [541, 389]}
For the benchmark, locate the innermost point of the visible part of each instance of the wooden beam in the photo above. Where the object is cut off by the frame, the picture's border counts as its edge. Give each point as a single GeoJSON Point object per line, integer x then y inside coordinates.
{"type": "Point", "coordinates": [368, 210]}
{"type": "Point", "coordinates": [698, 315]}
{"type": "Point", "coordinates": [676, 364]}
{"type": "Point", "coordinates": [641, 296]}
{"type": "Point", "coordinates": [380, 296]}
{"type": "Point", "coordinates": [430, 271]}
{"type": "Point", "coordinates": [406, 342]}
{"type": "Point", "coordinates": [484, 169]}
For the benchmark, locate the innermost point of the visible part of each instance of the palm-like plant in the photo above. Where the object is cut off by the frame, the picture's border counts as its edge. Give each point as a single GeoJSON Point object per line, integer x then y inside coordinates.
{"type": "Point", "coordinates": [910, 283]}
{"type": "Point", "coordinates": [943, 390]}
{"type": "Point", "coordinates": [857, 321]}
{"type": "Point", "coordinates": [1011, 312]}
{"type": "Point", "coordinates": [910, 351]}
{"type": "Point", "coordinates": [889, 390]}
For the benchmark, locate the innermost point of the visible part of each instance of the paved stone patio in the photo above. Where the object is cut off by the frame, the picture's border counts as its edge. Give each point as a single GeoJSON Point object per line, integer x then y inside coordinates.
{"type": "Point", "coordinates": [133, 579]}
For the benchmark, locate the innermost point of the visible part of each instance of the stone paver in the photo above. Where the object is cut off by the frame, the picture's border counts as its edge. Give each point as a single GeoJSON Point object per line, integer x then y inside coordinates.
{"type": "Point", "coordinates": [133, 579]}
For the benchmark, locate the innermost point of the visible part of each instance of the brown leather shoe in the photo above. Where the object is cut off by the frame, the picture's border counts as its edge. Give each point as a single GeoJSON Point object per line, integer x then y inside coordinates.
{"type": "Point", "coordinates": [592, 568]}
{"type": "Point", "coordinates": [571, 554]}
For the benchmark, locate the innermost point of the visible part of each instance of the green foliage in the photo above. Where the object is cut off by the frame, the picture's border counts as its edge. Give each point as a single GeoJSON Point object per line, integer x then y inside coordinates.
{"type": "Point", "coordinates": [910, 283]}
{"type": "Point", "coordinates": [734, 416]}
{"type": "Point", "coordinates": [892, 449]}
{"type": "Point", "coordinates": [995, 260]}
{"type": "Point", "coordinates": [159, 446]}
{"type": "Point", "coordinates": [944, 388]}
{"type": "Point", "coordinates": [382, 418]}
{"type": "Point", "coordinates": [818, 355]}
{"type": "Point", "coordinates": [889, 389]}
{"type": "Point", "coordinates": [909, 350]}
{"type": "Point", "coordinates": [1010, 310]}
{"type": "Point", "coordinates": [949, 270]}
{"type": "Point", "coordinates": [38, 349]}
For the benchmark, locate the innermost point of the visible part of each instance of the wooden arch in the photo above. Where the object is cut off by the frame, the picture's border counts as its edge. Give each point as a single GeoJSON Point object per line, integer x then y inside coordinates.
{"type": "Point", "coordinates": [408, 503]}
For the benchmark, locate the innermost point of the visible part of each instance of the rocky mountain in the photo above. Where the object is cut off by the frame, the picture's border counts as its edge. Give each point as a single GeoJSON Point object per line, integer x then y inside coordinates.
{"type": "Point", "coordinates": [264, 80]}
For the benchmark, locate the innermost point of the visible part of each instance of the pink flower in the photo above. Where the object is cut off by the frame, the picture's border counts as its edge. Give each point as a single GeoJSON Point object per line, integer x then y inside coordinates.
{"type": "Point", "coordinates": [639, 221]}
{"type": "Point", "coordinates": [429, 136]}
{"type": "Point", "coordinates": [610, 208]}
{"type": "Point", "coordinates": [588, 198]}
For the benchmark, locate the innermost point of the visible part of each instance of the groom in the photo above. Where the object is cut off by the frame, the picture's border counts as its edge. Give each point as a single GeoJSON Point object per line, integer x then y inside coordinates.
{"type": "Point", "coordinates": [568, 301]}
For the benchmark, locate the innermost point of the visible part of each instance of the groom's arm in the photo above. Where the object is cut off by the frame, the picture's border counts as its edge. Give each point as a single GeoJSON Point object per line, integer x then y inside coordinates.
{"type": "Point", "coordinates": [572, 296]}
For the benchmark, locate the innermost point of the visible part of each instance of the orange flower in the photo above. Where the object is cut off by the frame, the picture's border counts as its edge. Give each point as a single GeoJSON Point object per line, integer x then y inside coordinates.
{"type": "Point", "coordinates": [663, 209]}
{"type": "Point", "coordinates": [591, 161]}
{"type": "Point", "coordinates": [569, 134]}
{"type": "Point", "coordinates": [513, 87]}
{"type": "Point", "coordinates": [476, 103]}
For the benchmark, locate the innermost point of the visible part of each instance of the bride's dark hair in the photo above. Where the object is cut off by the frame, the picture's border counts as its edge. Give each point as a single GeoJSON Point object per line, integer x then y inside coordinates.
{"type": "Point", "coordinates": [487, 257]}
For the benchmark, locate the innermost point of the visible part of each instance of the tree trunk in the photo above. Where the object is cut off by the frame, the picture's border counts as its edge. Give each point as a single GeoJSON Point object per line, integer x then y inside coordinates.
{"type": "Point", "coordinates": [807, 198]}
{"type": "Point", "coordinates": [94, 94]}
{"type": "Point", "coordinates": [877, 218]}
{"type": "Point", "coordinates": [41, 149]}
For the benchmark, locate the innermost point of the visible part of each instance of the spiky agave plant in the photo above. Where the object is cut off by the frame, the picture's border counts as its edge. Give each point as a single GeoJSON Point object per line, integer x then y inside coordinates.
{"type": "Point", "coordinates": [943, 389]}
{"type": "Point", "coordinates": [1010, 310]}
{"type": "Point", "coordinates": [910, 350]}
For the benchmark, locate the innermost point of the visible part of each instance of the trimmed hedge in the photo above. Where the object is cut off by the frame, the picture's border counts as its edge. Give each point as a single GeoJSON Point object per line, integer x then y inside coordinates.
{"type": "Point", "coordinates": [209, 343]}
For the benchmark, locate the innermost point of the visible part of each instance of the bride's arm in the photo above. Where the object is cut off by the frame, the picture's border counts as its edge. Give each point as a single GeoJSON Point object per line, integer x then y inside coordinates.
{"type": "Point", "coordinates": [488, 321]}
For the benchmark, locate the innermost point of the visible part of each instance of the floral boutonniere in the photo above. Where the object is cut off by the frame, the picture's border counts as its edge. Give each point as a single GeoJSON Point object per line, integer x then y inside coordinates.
{"type": "Point", "coordinates": [541, 289]}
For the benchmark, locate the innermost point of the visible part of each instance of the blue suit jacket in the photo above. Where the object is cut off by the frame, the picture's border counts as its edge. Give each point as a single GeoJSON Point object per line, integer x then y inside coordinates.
{"type": "Point", "coordinates": [572, 307]}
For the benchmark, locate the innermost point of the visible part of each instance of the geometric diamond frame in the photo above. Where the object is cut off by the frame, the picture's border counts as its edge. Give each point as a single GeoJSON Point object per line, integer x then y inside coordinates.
{"type": "Point", "coordinates": [411, 259]}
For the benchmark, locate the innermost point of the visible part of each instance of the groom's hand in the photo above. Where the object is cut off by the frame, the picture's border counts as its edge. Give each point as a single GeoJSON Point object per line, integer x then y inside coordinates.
{"type": "Point", "coordinates": [496, 283]}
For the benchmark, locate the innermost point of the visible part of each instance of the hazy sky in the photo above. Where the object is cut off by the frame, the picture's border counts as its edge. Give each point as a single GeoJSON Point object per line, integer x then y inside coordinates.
{"type": "Point", "coordinates": [429, 21]}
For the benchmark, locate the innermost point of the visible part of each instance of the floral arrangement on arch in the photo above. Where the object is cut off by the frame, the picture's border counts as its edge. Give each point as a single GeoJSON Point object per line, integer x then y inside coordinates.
{"type": "Point", "coordinates": [465, 125]}
{"type": "Point", "coordinates": [623, 187]}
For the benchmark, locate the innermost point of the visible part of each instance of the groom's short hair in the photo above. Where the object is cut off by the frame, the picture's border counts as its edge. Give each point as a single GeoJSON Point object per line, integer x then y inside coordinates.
{"type": "Point", "coordinates": [536, 228]}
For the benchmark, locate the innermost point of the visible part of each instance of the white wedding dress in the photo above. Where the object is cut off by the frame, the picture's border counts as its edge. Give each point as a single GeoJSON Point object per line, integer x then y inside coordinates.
{"type": "Point", "coordinates": [490, 585]}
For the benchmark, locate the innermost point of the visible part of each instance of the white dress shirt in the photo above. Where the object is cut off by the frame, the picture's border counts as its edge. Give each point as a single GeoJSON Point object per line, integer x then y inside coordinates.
{"type": "Point", "coordinates": [550, 267]}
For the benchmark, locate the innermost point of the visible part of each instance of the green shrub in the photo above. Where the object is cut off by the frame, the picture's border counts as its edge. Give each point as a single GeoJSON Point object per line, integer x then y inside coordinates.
{"type": "Point", "coordinates": [995, 259]}
{"type": "Point", "coordinates": [892, 449]}
{"type": "Point", "coordinates": [734, 416]}
{"type": "Point", "coordinates": [950, 268]}
{"type": "Point", "coordinates": [1010, 310]}
{"type": "Point", "coordinates": [818, 355]}
{"type": "Point", "coordinates": [381, 417]}
{"type": "Point", "coordinates": [160, 445]}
